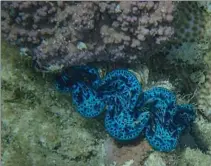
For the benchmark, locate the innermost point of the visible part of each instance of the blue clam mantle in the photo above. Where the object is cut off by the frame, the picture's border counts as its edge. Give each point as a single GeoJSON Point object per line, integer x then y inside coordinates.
{"type": "Point", "coordinates": [129, 112]}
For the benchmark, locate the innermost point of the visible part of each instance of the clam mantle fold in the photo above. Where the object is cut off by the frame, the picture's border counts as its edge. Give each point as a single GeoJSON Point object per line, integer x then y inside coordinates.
{"type": "Point", "coordinates": [129, 112]}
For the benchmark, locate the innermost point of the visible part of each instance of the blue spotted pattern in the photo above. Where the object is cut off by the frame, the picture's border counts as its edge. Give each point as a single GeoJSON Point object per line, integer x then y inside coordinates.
{"type": "Point", "coordinates": [167, 119]}
{"type": "Point", "coordinates": [86, 101]}
{"type": "Point", "coordinates": [81, 82]}
{"type": "Point", "coordinates": [126, 125]}
{"type": "Point", "coordinates": [183, 116]}
{"type": "Point", "coordinates": [120, 87]}
{"type": "Point", "coordinates": [129, 112]}
{"type": "Point", "coordinates": [160, 137]}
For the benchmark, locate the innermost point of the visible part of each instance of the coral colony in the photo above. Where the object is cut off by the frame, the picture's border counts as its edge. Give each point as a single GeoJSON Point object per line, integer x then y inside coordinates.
{"type": "Point", "coordinates": [60, 33]}
{"type": "Point", "coordinates": [129, 112]}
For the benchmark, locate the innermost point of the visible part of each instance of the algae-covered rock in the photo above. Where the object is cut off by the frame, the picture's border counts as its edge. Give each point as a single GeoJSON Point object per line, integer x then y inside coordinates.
{"type": "Point", "coordinates": [194, 157]}
{"type": "Point", "coordinates": [203, 131]}
{"type": "Point", "coordinates": [39, 125]}
{"type": "Point", "coordinates": [204, 93]}
{"type": "Point", "coordinates": [155, 159]}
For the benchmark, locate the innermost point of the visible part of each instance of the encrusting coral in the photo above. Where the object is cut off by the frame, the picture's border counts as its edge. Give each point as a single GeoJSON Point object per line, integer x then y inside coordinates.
{"type": "Point", "coordinates": [190, 21]}
{"type": "Point", "coordinates": [195, 35]}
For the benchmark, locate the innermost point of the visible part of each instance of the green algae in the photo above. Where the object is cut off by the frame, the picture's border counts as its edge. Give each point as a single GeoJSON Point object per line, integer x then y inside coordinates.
{"type": "Point", "coordinates": [39, 125]}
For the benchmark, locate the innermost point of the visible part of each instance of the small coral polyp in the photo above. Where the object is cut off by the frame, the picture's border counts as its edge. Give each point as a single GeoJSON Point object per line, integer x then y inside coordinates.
{"type": "Point", "coordinates": [129, 112]}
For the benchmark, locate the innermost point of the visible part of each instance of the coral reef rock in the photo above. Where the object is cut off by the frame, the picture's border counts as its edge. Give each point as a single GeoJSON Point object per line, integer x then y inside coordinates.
{"type": "Point", "coordinates": [111, 31]}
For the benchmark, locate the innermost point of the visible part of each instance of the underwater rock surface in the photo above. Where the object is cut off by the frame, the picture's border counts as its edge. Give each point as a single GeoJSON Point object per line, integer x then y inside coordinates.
{"type": "Point", "coordinates": [41, 121]}
{"type": "Point", "coordinates": [41, 127]}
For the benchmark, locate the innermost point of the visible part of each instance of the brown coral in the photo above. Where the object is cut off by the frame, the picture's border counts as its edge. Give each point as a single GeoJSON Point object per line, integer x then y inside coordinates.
{"type": "Point", "coordinates": [112, 31]}
{"type": "Point", "coordinates": [26, 23]}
